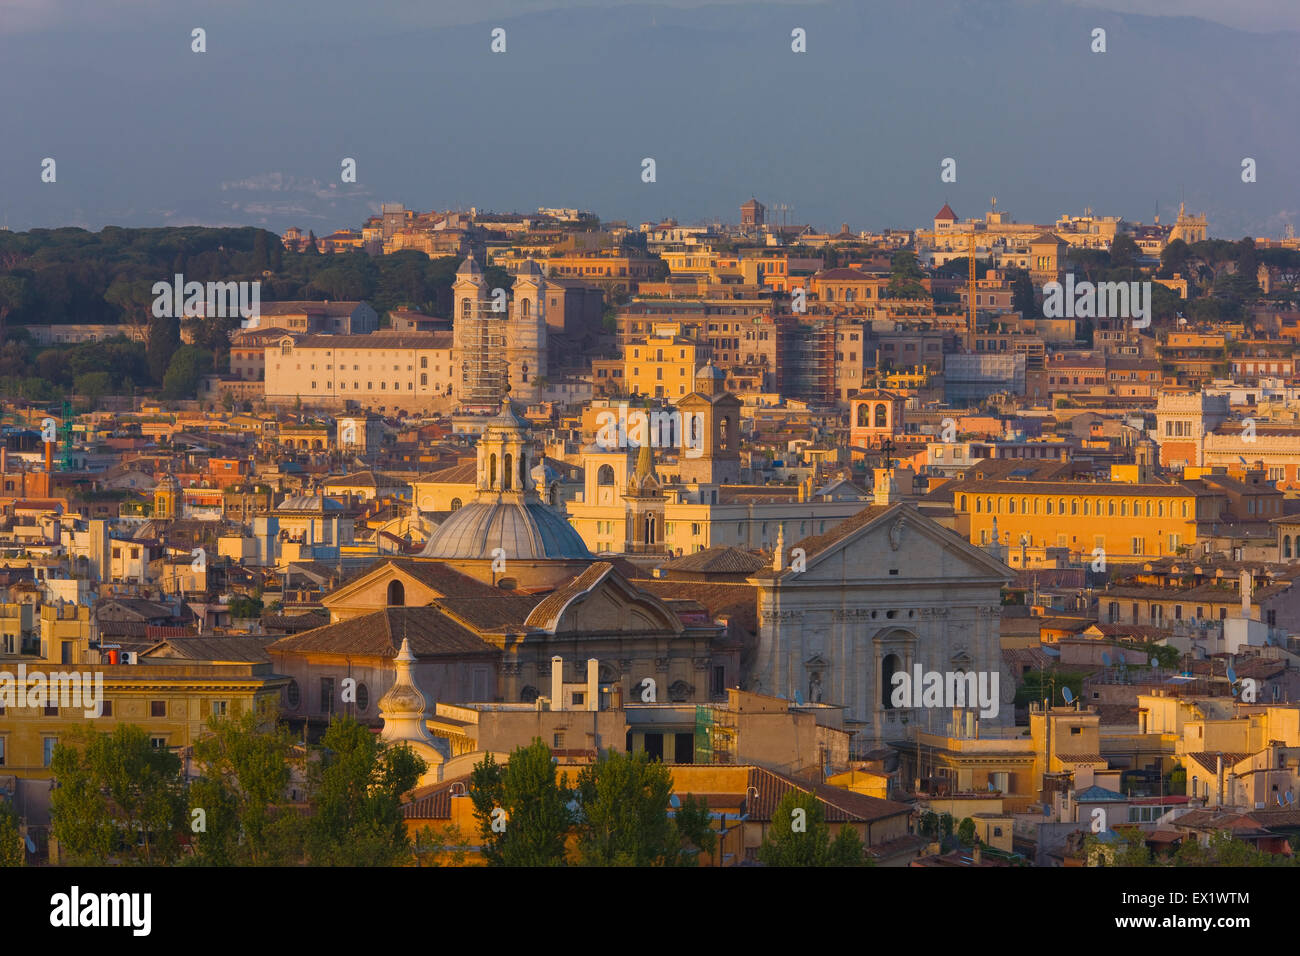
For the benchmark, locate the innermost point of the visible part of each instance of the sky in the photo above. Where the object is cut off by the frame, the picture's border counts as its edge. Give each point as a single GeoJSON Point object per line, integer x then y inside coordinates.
{"type": "Point", "coordinates": [144, 131]}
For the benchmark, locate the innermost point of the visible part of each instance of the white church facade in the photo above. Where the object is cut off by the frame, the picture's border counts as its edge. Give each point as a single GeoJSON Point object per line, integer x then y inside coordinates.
{"type": "Point", "coordinates": [841, 613]}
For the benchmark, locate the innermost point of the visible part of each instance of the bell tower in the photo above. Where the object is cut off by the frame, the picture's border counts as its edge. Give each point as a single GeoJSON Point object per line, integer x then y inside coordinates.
{"type": "Point", "coordinates": [710, 443]}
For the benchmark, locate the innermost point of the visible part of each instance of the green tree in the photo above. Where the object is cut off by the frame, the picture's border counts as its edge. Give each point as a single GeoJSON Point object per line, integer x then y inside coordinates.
{"type": "Point", "coordinates": [13, 852]}
{"type": "Point", "coordinates": [244, 765]}
{"type": "Point", "coordinates": [905, 276]}
{"type": "Point", "coordinates": [623, 815]}
{"type": "Point", "coordinates": [966, 831]}
{"type": "Point", "coordinates": [164, 341]}
{"type": "Point", "coordinates": [847, 849]}
{"type": "Point", "coordinates": [187, 367]}
{"type": "Point", "coordinates": [117, 795]}
{"type": "Point", "coordinates": [798, 835]}
{"type": "Point", "coordinates": [1022, 294]}
{"type": "Point", "coordinates": [357, 791]}
{"type": "Point", "coordinates": [1124, 251]}
{"type": "Point", "coordinates": [92, 386]}
{"type": "Point", "coordinates": [1173, 259]}
{"type": "Point", "coordinates": [522, 808]}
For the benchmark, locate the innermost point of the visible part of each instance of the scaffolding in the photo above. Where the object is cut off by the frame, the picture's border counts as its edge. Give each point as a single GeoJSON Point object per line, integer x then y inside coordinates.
{"type": "Point", "coordinates": [715, 735]}
{"type": "Point", "coordinates": [484, 367]}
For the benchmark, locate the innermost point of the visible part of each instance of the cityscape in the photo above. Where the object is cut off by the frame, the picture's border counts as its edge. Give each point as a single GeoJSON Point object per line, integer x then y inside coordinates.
{"type": "Point", "coordinates": [469, 536]}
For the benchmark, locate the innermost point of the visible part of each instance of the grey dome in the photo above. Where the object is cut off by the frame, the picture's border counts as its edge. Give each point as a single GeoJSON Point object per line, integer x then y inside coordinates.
{"type": "Point", "coordinates": [525, 530]}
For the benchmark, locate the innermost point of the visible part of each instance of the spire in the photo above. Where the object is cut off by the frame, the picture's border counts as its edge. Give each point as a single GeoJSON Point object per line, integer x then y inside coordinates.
{"type": "Point", "coordinates": [404, 709]}
{"type": "Point", "coordinates": [778, 558]}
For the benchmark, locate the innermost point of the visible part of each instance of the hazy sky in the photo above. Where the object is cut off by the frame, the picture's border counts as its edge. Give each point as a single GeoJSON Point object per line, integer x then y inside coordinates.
{"type": "Point", "coordinates": [252, 132]}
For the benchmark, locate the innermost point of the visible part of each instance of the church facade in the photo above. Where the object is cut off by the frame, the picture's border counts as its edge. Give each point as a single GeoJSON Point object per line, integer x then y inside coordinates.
{"type": "Point", "coordinates": [841, 613]}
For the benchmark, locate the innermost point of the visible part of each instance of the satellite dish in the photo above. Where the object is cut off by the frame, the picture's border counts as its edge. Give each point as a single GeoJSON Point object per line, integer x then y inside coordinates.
{"type": "Point", "coordinates": [1068, 695]}
{"type": "Point", "coordinates": [1105, 658]}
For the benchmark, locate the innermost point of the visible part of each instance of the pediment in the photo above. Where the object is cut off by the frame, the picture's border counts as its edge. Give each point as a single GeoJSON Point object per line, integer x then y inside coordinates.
{"type": "Point", "coordinates": [897, 544]}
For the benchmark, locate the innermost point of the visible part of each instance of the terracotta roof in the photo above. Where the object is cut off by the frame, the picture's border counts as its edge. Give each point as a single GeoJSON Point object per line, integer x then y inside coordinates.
{"type": "Point", "coordinates": [838, 804]}
{"type": "Point", "coordinates": [946, 213]}
{"type": "Point", "coordinates": [431, 632]}
{"type": "Point", "coordinates": [720, 560]}
{"type": "Point", "coordinates": [214, 649]}
{"type": "Point", "coordinates": [553, 604]}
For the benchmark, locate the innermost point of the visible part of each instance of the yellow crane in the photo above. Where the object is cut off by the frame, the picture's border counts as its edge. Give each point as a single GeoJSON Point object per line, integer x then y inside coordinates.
{"type": "Point", "coordinates": [971, 236]}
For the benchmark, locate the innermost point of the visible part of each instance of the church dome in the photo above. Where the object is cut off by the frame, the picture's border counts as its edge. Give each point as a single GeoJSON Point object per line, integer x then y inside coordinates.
{"type": "Point", "coordinates": [525, 530]}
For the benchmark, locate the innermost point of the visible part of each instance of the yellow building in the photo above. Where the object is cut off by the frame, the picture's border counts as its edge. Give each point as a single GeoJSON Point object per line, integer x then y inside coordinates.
{"type": "Point", "coordinates": [1130, 522]}
{"type": "Point", "coordinates": [663, 366]}
{"type": "Point", "coordinates": [171, 691]}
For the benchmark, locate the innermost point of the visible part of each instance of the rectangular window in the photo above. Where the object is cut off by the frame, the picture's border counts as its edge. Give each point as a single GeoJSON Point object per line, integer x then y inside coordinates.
{"type": "Point", "coordinates": [47, 750]}
{"type": "Point", "coordinates": [157, 708]}
{"type": "Point", "coordinates": [219, 708]}
{"type": "Point", "coordinates": [158, 743]}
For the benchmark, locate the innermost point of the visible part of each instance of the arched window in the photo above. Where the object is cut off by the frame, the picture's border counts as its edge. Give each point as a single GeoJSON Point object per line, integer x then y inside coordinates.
{"type": "Point", "coordinates": [881, 416]}
{"type": "Point", "coordinates": [492, 471]}
{"type": "Point", "coordinates": [1184, 509]}
{"type": "Point", "coordinates": [1110, 509]}
{"type": "Point", "coordinates": [723, 426]}
{"type": "Point", "coordinates": [605, 476]}
{"type": "Point", "coordinates": [1011, 505]}
{"type": "Point", "coordinates": [529, 694]}
{"type": "Point", "coordinates": [1049, 506]}
{"type": "Point", "coordinates": [1060, 506]}
{"type": "Point", "coordinates": [1148, 508]}
{"type": "Point", "coordinates": [456, 504]}
{"type": "Point", "coordinates": [978, 505]}
{"type": "Point", "coordinates": [1123, 509]}
{"type": "Point", "coordinates": [863, 415]}
{"type": "Point", "coordinates": [963, 502]}
{"type": "Point", "coordinates": [523, 470]}
{"type": "Point", "coordinates": [396, 594]}
{"type": "Point", "coordinates": [1286, 546]}
{"type": "Point", "coordinates": [523, 308]}
{"type": "Point", "coordinates": [507, 475]}
{"type": "Point", "coordinates": [1074, 506]}
{"type": "Point", "coordinates": [888, 667]}
{"type": "Point", "coordinates": [1085, 506]}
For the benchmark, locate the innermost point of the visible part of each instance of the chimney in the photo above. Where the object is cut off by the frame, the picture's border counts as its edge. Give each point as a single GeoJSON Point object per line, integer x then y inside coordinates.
{"type": "Point", "coordinates": [1247, 592]}
{"type": "Point", "coordinates": [1218, 774]}
{"type": "Point", "coordinates": [557, 683]}
{"type": "Point", "coordinates": [593, 684]}
{"type": "Point", "coordinates": [49, 459]}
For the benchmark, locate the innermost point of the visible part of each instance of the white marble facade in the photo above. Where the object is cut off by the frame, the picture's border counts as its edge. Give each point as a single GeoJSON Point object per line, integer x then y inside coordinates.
{"type": "Point", "coordinates": [897, 590]}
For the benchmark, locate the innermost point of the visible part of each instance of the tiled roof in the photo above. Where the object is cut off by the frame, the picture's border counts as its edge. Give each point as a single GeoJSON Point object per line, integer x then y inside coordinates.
{"type": "Point", "coordinates": [214, 649]}
{"type": "Point", "coordinates": [553, 604]}
{"type": "Point", "coordinates": [838, 804]}
{"type": "Point", "coordinates": [431, 632]}
{"type": "Point", "coordinates": [721, 560]}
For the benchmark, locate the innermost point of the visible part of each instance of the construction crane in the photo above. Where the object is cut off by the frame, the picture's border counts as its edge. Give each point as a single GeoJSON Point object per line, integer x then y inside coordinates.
{"type": "Point", "coordinates": [66, 429]}
{"type": "Point", "coordinates": [971, 236]}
